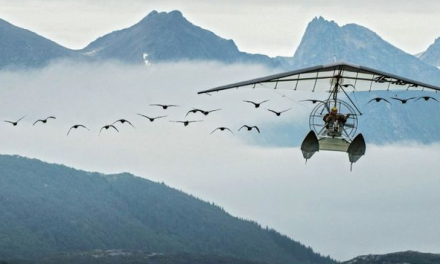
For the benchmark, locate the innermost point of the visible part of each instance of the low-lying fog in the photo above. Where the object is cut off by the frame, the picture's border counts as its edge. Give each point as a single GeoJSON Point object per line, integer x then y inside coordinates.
{"type": "Point", "coordinates": [388, 203]}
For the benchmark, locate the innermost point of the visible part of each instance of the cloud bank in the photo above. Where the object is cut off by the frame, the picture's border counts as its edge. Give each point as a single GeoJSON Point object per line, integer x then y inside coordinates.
{"type": "Point", "coordinates": [388, 203]}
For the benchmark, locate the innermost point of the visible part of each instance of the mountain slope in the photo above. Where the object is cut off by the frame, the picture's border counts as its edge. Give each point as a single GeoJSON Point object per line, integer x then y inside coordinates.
{"type": "Point", "coordinates": [169, 37]}
{"type": "Point", "coordinates": [432, 54]}
{"type": "Point", "coordinates": [131, 257]}
{"type": "Point", "coordinates": [45, 209]}
{"type": "Point", "coordinates": [325, 40]}
{"type": "Point", "coordinates": [21, 48]}
{"type": "Point", "coordinates": [408, 257]}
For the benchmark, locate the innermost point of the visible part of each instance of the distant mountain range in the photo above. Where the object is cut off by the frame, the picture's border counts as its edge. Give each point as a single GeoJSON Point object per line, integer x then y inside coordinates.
{"type": "Point", "coordinates": [408, 257]}
{"type": "Point", "coordinates": [169, 37]}
{"type": "Point", "coordinates": [47, 209]}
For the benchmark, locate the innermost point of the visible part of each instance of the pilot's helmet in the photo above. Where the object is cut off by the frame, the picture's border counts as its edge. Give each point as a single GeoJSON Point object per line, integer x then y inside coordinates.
{"type": "Point", "coordinates": [334, 110]}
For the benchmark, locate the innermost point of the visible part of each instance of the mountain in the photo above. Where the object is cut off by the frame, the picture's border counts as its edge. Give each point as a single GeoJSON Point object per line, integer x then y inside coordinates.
{"type": "Point", "coordinates": [21, 48]}
{"type": "Point", "coordinates": [169, 37]}
{"type": "Point", "coordinates": [325, 40]}
{"type": "Point", "coordinates": [408, 257]}
{"type": "Point", "coordinates": [46, 209]}
{"type": "Point", "coordinates": [432, 54]}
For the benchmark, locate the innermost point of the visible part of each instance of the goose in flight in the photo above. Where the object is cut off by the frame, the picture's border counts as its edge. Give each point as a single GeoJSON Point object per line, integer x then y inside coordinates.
{"type": "Point", "coordinates": [186, 123]}
{"type": "Point", "coordinates": [106, 127]}
{"type": "Point", "coordinates": [16, 122]}
{"type": "Point", "coordinates": [257, 105]}
{"type": "Point", "coordinates": [313, 101]}
{"type": "Point", "coordinates": [44, 121]}
{"type": "Point", "coordinates": [210, 111]}
{"type": "Point", "coordinates": [123, 121]}
{"type": "Point", "coordinates": [195, 110]}
{"type": "Point", "coordinates": [278, 113]}
{"type": "Point", "coordinates": [164, 107]}
{"type": "Point", "coordinates": [152, 118]}
{"type": "Point", "coordinates": [403, 101]}
{"type": "Point", "coordinates": [76, 127]}
{"type": "Point", "coordinates": [426, 98]}
{"type": "Point", "coordinates": [222, 129]}
{"type": "Point", "coordinates": [378, 99]}
{"type": "Point", "coordinates": [249, 128]}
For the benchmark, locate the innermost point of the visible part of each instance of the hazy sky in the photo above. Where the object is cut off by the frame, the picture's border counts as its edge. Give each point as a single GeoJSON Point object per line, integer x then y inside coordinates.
{"type": "Point", "coordinates": [388, 203]}
{"type": "Point", "coordinates": [259, 26]}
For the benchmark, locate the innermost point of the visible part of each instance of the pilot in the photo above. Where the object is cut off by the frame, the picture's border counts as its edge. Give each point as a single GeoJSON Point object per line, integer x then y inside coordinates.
{"type": "Point", "coordinates": [333, 116]}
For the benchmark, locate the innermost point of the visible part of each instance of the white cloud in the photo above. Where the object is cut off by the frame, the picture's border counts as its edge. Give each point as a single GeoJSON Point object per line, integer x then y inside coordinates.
{"type": "Point", "coordinates": [388, 203]}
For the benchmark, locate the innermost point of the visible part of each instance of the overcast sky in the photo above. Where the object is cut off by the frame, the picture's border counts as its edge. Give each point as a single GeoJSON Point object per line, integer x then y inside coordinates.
{"type": "Point", "coordinates": [259, 26]}
{"type": "Point", "coordinates": [388, 203]}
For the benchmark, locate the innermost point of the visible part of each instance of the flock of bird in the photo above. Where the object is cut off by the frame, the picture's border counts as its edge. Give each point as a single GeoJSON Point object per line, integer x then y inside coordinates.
{"type": "Point", "coordinates": [112, 126]}
{"type": "Point", "coordinates": [379, 99]}
{"type": "Point", "coordinates": [207, 112]}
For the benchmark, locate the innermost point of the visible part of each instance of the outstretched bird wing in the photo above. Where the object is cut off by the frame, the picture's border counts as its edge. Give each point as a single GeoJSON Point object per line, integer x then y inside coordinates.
{"type": "Point", "coordinates": [145, 116]}
{"type": "Point", "coordinates": [273, 111]}
{"type": "Point", "coordinates": [20, 119]}
{"type": "Point", "coordinates": [250, 102]}
{"type": "Point", "coordinates": [257, 129]}
{"type": "Point", "coordinates": [215, 130]}
{"type": "Point", "coordinates": [39, 120]}
{"type": "Point", "coordinates": [129, 123]}
{"type": "Point", "coordinates": [214, 110]}
{"type": "Point", "coordinates": [68, 132]}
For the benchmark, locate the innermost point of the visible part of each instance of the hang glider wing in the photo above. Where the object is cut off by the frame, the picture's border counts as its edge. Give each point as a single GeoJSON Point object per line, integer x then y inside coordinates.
{"type": "Point", "coordinates": [323, 78]}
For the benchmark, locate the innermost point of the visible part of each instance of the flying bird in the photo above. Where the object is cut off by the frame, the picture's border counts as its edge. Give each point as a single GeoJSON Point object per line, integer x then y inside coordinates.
{"type": "Point", "coordinates": [314, 101]}
{"type": "Point", "coordinates": [378, 99]}
{"type": "Point", "coordinates": [193, 111]}
{"type": "Point", "coordinates": [249, 128]}
{"type": "Point", "coordinates": [257, 105]}
{"type": "Point", "coordinates": [106, 127]}
{"type": "Point", "coordinates": [16, 122]}
{"type": "Point", "coordinates": [164, 107]}
{"type": "Point", "coordinates": [278, 113]}
{"type": "Point", "coordinates": [152, 118]}
{"type": "Point", "coordinates": [403, 101]}
{"type": "Point", "coordinates": [210, 111]}
{"type": "Point", "coordinates": [186, 123]}
{"type": "Point", "coordinates": [222, 129]}
{"type": "Point", "coordinates": [76, 127]}
{"type": "Point", "coordinates": [426, 98]}
{"type": "Point", "coordinates": [44, 121]}
{"type": "Point", "coordinates": [123, 121]}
